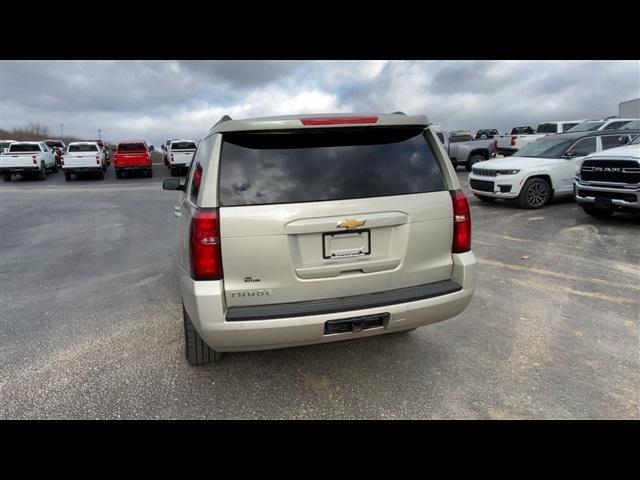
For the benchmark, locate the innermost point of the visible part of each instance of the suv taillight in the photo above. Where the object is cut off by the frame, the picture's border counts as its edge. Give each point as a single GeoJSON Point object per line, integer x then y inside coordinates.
{"type": "Point", "coordinates": [206, 260]}
{"type": "Point", "coordinates": [461, 223]}
{"type": "Point", "coordinates": [97, 159]}
{"type": "Point", "coordinates": [513, 141]}
{"type": "Point", "coordinates": [33, 157]}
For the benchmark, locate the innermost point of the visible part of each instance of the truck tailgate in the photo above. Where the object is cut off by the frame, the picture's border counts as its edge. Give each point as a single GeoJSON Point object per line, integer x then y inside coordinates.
{"type": "Point", "coordinates": [18, 160]}
{"type": "Point", "coordinates": [182, 158]}
{"type": "Point", "coordinates": [85, 159]}
{"type": "Point", "coordinates": [131, 160]}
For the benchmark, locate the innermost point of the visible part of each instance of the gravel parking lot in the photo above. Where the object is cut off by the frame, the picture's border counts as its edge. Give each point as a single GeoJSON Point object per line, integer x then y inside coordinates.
{"type": "Point", "coordinates": [91, 322]}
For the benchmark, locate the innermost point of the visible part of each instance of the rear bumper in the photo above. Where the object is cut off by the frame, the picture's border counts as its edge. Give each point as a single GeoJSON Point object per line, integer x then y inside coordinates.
{"type": "Point", "coordinates": [205, 305]}
{"type": "Point", "coordinates": [126, 168]}
{"type": "Point", "coordinates": [587, 194]}
{"type": "Point", "coordinates": [178, 165]}
{"type": "Point", "coordinates": [96, 168]}
{"type": "Point", "coordinates": [30, 169]}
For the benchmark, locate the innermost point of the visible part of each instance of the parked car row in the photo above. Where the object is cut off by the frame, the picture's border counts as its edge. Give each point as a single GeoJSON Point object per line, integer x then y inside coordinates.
{"type": "Point", "coordinates": [583, 164]}
{"type": "Point", "coordinates": [35, 159]}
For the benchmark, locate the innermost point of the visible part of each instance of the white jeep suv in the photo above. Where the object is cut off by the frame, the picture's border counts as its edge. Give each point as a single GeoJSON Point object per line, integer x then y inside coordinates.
{"type": "Point", "coordinates": [542, 170]}
{"type": "Point", "coordinates": [309, 229]}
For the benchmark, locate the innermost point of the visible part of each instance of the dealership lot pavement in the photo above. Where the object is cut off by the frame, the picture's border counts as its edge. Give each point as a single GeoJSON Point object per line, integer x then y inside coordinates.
{"type": "Point", "coordinates": [90, 322]}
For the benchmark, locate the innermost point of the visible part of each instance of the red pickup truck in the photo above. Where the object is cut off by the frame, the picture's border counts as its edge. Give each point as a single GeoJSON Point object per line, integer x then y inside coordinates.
{"type": "Point", "coordinates": [132, 156]}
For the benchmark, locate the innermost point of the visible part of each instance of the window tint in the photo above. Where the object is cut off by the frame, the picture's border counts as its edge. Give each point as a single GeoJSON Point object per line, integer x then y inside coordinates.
{"type": "Point", "coordinates": [183, 146]}
{"type": "Point", "coordinates": [584, 147]}
{"type": "Point", "coordinates": [547, 128]}
{"type": "Point", "coordinates": [262, 168]}
{"type": "Point", "coordinates": [55, 144]}
{"type": "Point", "coordinates": [586, 126]}
{"type": "Point", "coordinates": [635, 125]}
{"type": "Point", "coordinates": [87, 147]}
{"type": "Point", "coordinates": [567, 126]}
{"type": "Point", "coordinates": [612, 141]}
{"type": "Point", "coordinates": [198, 163]}
{"type": "Point", "coordinates": [616, 125]}
{"type": "Point", "coordinates": [24, 147]}
{"type": "Point", "coordinates": [131, 147]}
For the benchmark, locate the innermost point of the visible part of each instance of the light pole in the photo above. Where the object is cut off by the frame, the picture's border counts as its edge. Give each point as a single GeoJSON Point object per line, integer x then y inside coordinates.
{"type": "Point", "coordinates": [99, 137]}
{"type": "Point", "coordinates": [61, 135]}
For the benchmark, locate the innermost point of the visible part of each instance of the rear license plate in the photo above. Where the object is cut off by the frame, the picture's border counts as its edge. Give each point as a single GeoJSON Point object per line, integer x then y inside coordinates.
{"type": "Point", "coordinates": [356, 324]}
{"type": "Point", "coordinates": [603, 203]}
{"type": "Point", "coordinates": [355, 243]}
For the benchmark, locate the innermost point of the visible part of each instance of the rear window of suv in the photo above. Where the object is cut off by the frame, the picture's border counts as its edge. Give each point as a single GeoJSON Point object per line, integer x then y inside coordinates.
{"type": "Point", "coordinates": [547, 128]}
{"type": "Point", "coordinates": [131, 147]}
{"type": "Point", "coordinates": [24, 147]}
{"type": "Point", "coordinates": [183, 146]}
{"type": "Point", "coordinates": [87, 147]}
{"type": "Point", "coordinates": [268, 167]}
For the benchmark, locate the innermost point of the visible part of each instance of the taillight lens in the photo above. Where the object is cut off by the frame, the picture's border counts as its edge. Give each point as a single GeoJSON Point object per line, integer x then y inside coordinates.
{"type": "Point", "coordinates": [206, 260]}
{"type": "Point", "coordinates": [33, 158]}
{"type": "Point", "coordinates": [461, 223]}
{"type": "Point", "coordinates": [513, 141]}
{"type": "Point", "coordinates": [98, 160]}
{"type": "Point", "coordinates": [172, 157]}
{"type": "Point", "coordinates": [61, 160]}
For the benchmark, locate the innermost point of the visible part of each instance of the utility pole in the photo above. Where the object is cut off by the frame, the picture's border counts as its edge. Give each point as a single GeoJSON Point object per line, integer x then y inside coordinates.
{"type": "Point", "coordinates": [61, 126]}
{"type": "Point", "coordinates": [99, 137]}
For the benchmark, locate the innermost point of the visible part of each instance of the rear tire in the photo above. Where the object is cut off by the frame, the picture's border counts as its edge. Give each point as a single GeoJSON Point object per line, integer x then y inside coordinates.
{"type": "Point", "coordinates": [485, 199]}
{"type": "Point", "coordinates": [6, 177]}
{"type": "Point", "coordinates": [471, 161]}
{"type": "Point", "coordinates": [174, 172]}
{"type": "Point", "coordinates": [100, 175]}
{"type": "Point", "coordinates": [54, 169]}
{"type": "Point", "coordinates": [118, 174]}
{"type": "Point", "coordinates": [535, 193]}
{"type": "Point", "coordinates": [597, 212]}
{"type": "Point", "coordinates": [67, 176]}
{"type": "Point", "coordinates": [42, 174]}
{"type": "Point", "coordinates": [196, 351]}
{"type": "Point", "coordinates": [150, 173]}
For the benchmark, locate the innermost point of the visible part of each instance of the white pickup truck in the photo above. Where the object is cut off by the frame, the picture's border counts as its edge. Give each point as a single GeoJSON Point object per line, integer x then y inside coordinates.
{"type": "Point", "coordinates": [29, 159]}
{"type": "Point", "coordinates": [84, 157]}
{"type": "Point", "coordinates": [509, 144]}
{"type": "Point", "coordinates": [542, 170]}
{"type": "Point", "coordinates": [179, 154]}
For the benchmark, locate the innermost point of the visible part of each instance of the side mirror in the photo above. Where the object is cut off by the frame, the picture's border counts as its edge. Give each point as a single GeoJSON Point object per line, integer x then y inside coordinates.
{"type": "Point", "coordinates": [570, 155]}
{"type": "Point", "coordinates": [151, 148]}
{"type": "Point", "coordinates": [172, 184]}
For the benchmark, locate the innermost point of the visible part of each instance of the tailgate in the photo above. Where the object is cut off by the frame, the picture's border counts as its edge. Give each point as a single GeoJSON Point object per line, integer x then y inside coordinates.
{"type": "Point", "coordinates": [81, 160]}
{"type": "Point", "coordinates": [18, 160]}
{"type": "Point", "coordinates": [131, 160]}
{"type": "Point", "coordinates": [182, 158]}
{"type": "Point", "coordinates": [315, 215]}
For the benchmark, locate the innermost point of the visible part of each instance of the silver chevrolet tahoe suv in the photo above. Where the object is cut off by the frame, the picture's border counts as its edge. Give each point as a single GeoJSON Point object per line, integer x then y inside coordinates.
{"type": "Point", "coordinates": [309, 229]}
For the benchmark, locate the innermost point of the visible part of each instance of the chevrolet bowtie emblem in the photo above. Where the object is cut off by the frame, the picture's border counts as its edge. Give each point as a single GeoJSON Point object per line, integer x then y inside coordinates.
{"type": "Point", "coordinates": [351, 223]}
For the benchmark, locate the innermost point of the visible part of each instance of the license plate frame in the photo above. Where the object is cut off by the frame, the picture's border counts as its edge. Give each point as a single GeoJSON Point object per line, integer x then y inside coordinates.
{"type": "Point", "coordinates": [603, 203]}
{"type": "Point", "coordinates": [363, 232]}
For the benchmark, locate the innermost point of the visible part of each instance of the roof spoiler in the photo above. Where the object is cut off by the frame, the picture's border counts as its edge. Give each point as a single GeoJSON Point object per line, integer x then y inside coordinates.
{"type": "Point", "coordinates": [223, 119]}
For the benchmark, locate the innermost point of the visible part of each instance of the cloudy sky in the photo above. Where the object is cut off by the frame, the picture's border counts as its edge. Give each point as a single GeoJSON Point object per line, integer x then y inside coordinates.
{"type": "Point", "coordinates": [155, 100]}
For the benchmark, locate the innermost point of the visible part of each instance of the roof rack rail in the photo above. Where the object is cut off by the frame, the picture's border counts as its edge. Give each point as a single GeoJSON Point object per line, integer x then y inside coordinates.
{"type": "Point", "coordinates": [399, 113]}
{"type": "Point", "coordinates": [223, 119]}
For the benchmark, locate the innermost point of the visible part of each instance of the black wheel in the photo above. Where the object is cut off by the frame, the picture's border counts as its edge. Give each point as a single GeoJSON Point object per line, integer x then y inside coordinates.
{"type": "Point", "coordinates": [472, 160]}
{"type": "Point", "coordinates": [196, 351]}
{"type": "Point", "coordinates": [67, 176]}
{"type": "Point", "coordinates": [104, 167]}
{"type": "Point", "coordinates": [535, 193]}
{"type": "Point", "coordinates": [42, 174]}
{"type": "Point", "coordinates": [598, 212]}
{"type": "Point", "coordinates": [100, 175]}
{"type": "Point", "coordinates": [54, 169]}
{"type": "Point", "coordinates": [6, 177]}
{"type": "Point", "coordinates": [150, 173]}
{"type": "Point", "coordinates": [485, 199]}
{"type": "Point", "coordinates": [118, 174]}
{"type": "Point", "coordinates": [174, 172]}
